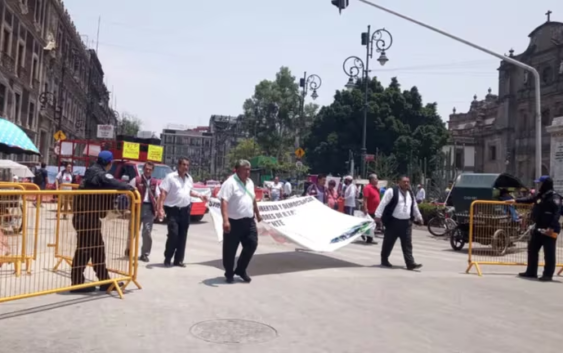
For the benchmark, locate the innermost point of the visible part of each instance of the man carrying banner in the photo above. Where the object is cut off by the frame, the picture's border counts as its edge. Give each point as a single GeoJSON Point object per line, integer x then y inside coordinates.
{"type": "Point", "coordinates": [397, 210]}
{"type": "Point", "coordinates": [238, 209]}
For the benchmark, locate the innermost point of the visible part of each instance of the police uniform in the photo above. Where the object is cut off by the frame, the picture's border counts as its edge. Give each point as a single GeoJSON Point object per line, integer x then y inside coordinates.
{"type": "Point", "coordinates": [88, 211]}
{"type": "Point", "coordinates": [546, 211]}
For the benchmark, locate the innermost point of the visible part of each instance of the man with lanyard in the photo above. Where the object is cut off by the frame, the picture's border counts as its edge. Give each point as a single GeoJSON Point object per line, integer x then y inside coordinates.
{"type": "Point", "coordinates": [148, 188]}
{"type": "Point", "coordinates": [397, 210]}
{"type": "Point", "coordinates": [238, 209]}
{"type": "Point", "coordinates": [176, 191]}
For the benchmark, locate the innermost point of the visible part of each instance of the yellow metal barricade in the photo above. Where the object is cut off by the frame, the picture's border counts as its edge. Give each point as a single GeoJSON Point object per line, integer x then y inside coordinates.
{"type": "Point", "coordinates": [499, 233]}
{"type": "Point", "coordinates": [85, 249]}
{"type": "Point", "coordinates": [15, 239]}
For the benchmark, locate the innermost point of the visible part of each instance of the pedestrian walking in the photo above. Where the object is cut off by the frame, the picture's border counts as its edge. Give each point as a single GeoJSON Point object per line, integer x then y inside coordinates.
{"type": "Point", "coordinates": [397, 210]}
{"type": "Point", "coordinates": [239, 211]}
{"type": "Point", "coordinates": [371, 201]}
{"type": "Point", "coordinates": [40, 179]}
{"type": "Point", "coordinates": [350, 195]}
{"type": "Point", "coordinates": [276, 189]}
{"type": "Point", "coordinates": [420, 194]}
{"type": "Point", "coordinates": [176, 191]}
{"type": "Point", "coordinates": [62, 182]}
{"type": "Point", "coordinates": [287, 189]}
{"type": "Point", "coordinates": [318, 189]}
{"type": "Point", "coordinates": [150, 192]}
{"type": "Point", "coordinates": [545, 214]}
{"type": "Point", "coordinates": [88, 212]}
{"type": "Point", "coordinates": [332, 195]}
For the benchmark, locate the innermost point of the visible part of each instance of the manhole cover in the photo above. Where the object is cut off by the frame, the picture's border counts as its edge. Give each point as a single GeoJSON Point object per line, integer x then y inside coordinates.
{"type": "Point", "coordinates": [233, 331]}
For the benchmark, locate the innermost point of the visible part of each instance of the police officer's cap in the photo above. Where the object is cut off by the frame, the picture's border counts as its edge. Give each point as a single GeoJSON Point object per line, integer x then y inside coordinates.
{"type": "Point", "coordinates": [542, 179]}
{"type": "Point", "coordinates": [105, 157]}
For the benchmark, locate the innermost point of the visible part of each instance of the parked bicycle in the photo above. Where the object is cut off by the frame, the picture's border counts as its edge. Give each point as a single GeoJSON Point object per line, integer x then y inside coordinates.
{"type": "Point", "coordinates": [443, 223]}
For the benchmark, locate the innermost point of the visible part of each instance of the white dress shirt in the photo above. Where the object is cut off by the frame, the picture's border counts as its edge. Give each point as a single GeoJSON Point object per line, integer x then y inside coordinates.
{"type": "Point", "coordinates": [239, 203]}
{"type": "Point", "coordinates": [350, 195]}
{"type": "Point", "coordinates": [178, 190]}
{"type": "Point", "coordinates": [287, 189]}
{"type": "Point", "coordinates": [421, 194]}
{"type": "Point", "coordinates": [146, 198]}
{"type": "Point", "coordinates": [403, 208]}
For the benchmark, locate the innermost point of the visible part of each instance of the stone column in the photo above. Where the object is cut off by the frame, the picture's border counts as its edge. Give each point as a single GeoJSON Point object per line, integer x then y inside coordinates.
{"type": "Point", "coordinates": [556, 157]}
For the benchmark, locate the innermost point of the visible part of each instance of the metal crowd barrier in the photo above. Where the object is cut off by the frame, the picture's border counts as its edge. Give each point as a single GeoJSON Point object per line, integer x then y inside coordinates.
{"type": "Point", "coordinates": [57, 249]}
{"type": "Point", "coordinates": [499, 233]}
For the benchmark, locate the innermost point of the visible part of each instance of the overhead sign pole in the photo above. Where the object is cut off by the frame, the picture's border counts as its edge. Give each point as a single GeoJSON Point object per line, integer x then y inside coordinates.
{"type": "Point", "coordinates": [502, 57]}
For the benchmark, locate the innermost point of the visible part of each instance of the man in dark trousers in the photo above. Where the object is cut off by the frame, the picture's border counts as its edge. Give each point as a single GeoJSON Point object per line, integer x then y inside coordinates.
{"type": "Point", "coordinates": [398, 210]}
{"type": "Point", "coordinates": [88, 211]}
{"type": "Point", "coordinates": [176, 191]}
{"type": "Point", "coordinates": [238, 210]}
{"type": "Point", "coordinates": [545, 214]}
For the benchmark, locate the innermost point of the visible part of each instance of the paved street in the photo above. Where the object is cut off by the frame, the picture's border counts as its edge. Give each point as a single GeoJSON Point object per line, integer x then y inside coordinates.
{"type": "Point", "coordinates": [310, 303]}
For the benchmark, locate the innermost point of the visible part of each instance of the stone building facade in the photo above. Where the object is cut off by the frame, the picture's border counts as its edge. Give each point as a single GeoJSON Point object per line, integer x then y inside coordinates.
{"type": "Point", "coordinates": [194, 144]}
{"type": "Point", "coordinates": [501, 128]}
{"type": "Point", "coordinates": [45, 72]}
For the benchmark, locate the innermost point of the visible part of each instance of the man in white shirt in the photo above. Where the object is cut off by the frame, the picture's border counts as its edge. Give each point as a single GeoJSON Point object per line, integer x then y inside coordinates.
{"type": "Point", "coordinates": [176, 191]}
{"type": "Point", "coordinates": [238, 209]}
{"type": "Point", "coordinates": [276, 190]}
{"type": "Point", "coordinates": [397, 211]}
{"type": "Point", "coordinates": [350, 195]}
{"type": "Point", "coordinates": [149, 190]}
{"type": "Point", "coordinates": [420, 194]}
{"type": "Point", "coordinates": [287, 189]}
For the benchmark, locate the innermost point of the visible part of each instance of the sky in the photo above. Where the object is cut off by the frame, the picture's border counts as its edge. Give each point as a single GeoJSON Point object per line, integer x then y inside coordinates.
{"type": "Point", "coordinates": [181, 61]}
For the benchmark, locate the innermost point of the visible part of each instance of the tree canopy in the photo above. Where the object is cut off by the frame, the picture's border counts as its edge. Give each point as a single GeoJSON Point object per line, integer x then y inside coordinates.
{"type": "Point", "coordinates": [399, 126]}
{"type": "Point", "coordinates": [273, 115]}
{"type": "Point", "coordinates": [129, 124]}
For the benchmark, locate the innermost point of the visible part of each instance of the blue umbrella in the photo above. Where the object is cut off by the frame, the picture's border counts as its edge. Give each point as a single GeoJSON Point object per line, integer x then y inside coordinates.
{"type": "Point", "coordinates": [14, 140]}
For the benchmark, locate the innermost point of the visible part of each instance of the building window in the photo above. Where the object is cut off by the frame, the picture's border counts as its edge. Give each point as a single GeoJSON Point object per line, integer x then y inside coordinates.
{"type": "Point", "coordinates": [31, 116]}
{"type": "Point", "coordinates": [7, 42]}
{"type": "Point", "coordinates": [2, 100]}
{"type": "Point", "coordinates": [20, 56]}
{"type": "Point", "coordinates": [37, 11]}
{"type": "Point", "coordinates": [34, 71]}
{"type": "Point", "coordinates": [547, 75]}
{"type": "Point", "coordinates": [18, 108]}
{"type": "Point", "coordinates": [493, 153]}
{"type": "Point", "coordinates": [459, 159]}
{"type": "Point", "coordinates": [546, 117]}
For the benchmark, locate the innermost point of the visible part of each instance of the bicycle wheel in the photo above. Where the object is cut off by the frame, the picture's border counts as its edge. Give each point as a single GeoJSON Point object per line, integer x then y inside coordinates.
{"type": "Point", "coordinates": [437, 226]}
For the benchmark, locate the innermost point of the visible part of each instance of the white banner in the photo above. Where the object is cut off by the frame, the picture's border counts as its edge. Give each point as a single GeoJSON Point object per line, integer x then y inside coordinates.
{"type": "Point", "coordinates": [303, 221]}
{"type": "Point", "coordinates": [105, 132]}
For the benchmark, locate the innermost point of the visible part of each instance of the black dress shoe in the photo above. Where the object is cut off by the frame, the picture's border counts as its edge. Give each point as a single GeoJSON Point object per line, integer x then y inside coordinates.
{"type": "Point", "coordinates": [83, 290]}
{"type": "Point", "coordinates": [105, 287]}
{"type": "Point", "coordinates": [179, 264]}
{"type": "Point", "coordinates": [414, 267]}
{"type": "Point", "coordinates": [229, 280]}
{"type": "Point", "coordinates": [144, 258]}
{"type": "Point", "coordinates": [386, 264]}
{"type": "Point", "coordinates": [244, 277]}
{"type": "Point", "coordinates": [167, 263]}
{"type": "Point", "coordinates": [546, 279]}
{"type": "Point", "coordinates": [527, 275]}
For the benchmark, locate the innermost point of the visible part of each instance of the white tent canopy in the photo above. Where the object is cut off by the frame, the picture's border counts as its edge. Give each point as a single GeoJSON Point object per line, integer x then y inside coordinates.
{"type": "Point", "coordinates": [16, 169]}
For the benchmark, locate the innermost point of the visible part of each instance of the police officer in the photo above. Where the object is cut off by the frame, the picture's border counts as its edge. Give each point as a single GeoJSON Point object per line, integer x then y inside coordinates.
{"type": "Point", "coordinates": [88, 211]}
{"type": "Point", "coordinates": [545, 214]}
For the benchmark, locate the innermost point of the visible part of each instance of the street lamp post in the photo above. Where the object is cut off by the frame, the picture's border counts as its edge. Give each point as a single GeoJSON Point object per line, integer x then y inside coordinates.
{"type": "Point", "coordinates": [313, 83]}
{"type": "Point", "coordinates": [353, 66]}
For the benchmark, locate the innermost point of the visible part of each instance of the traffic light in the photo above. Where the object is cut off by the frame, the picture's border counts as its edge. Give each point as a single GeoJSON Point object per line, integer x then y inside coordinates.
{"type": "Point", "coordinates": [341, 4]}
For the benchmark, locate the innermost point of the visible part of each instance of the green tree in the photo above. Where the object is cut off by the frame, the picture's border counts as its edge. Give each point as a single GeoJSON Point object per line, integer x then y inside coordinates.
{"type": "Point", "coordinates": [246, 149]}
{"type": "Point", "coordinates": [129, 124]}
{"type": "Point", "coordinates": [273, 114]}
{"type": "Point", "coordinates": [398, 124]}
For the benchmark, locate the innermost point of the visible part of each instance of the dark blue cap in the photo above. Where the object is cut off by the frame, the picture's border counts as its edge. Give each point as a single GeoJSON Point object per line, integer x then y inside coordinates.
{"type": "Point", "coordinates": [541, 179]}
{"type": "Point", "coordinates": [105, 156]}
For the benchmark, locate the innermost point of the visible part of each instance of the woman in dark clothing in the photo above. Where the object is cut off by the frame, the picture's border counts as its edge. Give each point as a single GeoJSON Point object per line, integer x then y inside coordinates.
{"type": "Point", "coordinates": [545, 215]}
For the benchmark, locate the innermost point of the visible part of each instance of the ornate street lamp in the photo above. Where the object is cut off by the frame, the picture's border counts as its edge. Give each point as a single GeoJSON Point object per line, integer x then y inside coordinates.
{"type": "Point", "coordinates": [355, 68]}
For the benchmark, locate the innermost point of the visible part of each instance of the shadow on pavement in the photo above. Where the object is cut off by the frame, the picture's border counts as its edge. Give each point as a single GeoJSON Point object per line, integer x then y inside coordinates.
{"type": "Point", "coordinates": [287, 262]}
{"type": "Point", "coordinates": [53, 306]}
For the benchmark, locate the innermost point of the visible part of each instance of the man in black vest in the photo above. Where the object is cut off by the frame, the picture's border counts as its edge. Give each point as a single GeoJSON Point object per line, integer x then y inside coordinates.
{"type": "Point", "coordinates": [398, 210]}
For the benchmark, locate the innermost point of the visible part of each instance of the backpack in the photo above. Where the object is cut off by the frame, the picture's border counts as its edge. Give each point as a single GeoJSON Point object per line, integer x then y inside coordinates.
{"type": "Point", "coordinates": [38, 178]}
